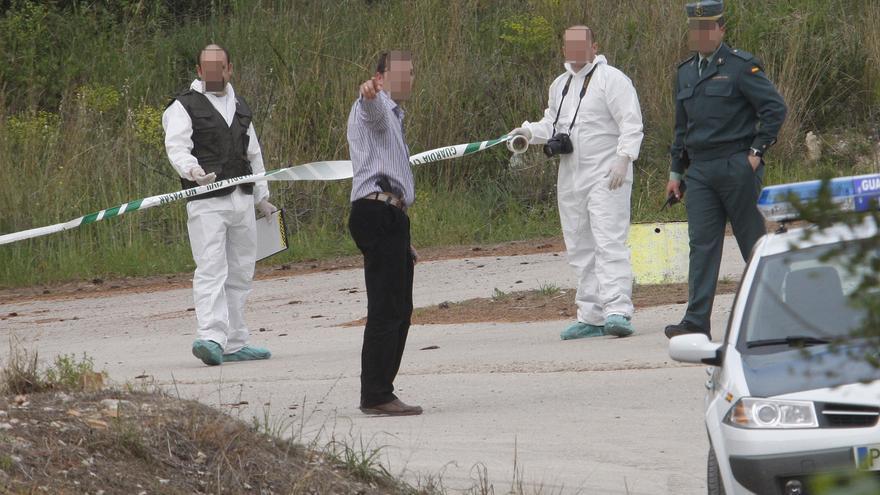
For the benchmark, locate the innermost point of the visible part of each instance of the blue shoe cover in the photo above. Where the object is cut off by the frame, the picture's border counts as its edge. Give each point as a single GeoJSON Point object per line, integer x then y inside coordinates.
{"type": "Point", "coordinates": [619, 326]}
{"type": "Point", "coordinates": [248, 354]}
{"type": "Point", "coordinates": [578, 330]}
{"type": "Point", "coordinates": [208, 351]}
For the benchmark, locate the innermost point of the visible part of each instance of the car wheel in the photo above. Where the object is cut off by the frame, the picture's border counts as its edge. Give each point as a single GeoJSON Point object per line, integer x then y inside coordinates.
{"type": "Point", "coordinates": [713, 475]}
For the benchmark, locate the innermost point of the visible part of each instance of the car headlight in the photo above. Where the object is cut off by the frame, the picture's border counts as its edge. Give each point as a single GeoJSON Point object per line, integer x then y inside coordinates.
{"type": "Point", "coordinates": [757, 413]}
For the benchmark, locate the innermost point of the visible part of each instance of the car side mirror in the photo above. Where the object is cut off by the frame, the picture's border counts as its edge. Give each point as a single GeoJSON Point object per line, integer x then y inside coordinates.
{"type": "Point", "coordinates": [695, 348]}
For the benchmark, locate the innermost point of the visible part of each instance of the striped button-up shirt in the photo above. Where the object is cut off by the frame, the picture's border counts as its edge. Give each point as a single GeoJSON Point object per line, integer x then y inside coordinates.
{"type": "Point", "coordinates": [377, 148]}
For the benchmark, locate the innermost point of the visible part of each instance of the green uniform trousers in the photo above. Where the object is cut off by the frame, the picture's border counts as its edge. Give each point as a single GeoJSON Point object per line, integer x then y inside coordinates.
{"type": "Point", "coordinates": [717, 191]}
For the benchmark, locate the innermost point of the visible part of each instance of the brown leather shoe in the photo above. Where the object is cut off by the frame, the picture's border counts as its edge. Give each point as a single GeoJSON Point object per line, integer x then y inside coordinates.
{"type": "Point", "coordinates": [393, 408]}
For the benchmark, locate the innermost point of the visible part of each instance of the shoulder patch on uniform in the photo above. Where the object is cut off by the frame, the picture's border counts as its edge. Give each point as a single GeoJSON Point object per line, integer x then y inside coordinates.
{"type": "Point", "coordinates": [755, 66]}
{"type": "Point", "coordinates": [742, 54]}
{"type": "Point", "coordinates": [685, 61]}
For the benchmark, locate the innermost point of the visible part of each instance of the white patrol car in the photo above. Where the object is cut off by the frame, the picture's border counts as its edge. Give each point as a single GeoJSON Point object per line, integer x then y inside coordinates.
{"type": "Point", "coordinates": [792, 395]}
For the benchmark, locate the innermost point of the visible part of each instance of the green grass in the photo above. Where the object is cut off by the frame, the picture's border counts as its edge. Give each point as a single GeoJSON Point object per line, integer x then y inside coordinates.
{"type": "Point", "coordinates": [548, 289]}
{"type": "Point", "coordinates": [22, 372]}
{"type": "Point", "coordinates": [83, 86]}
{"type": "Point", "coordinates": [499, 295]}
{"type": "Point", "coordinates": [7, 463]}
{"type": "Point", "coordinates": [359, 458]}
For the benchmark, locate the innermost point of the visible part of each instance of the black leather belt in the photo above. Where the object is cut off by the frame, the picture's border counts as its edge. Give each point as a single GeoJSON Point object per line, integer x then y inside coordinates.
{"type": "Point", "coordinates": [388, 199]}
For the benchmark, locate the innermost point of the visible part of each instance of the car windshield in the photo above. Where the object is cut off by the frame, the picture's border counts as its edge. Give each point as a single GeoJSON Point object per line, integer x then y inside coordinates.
{"type": "Point", "coordinates": [806, 297]}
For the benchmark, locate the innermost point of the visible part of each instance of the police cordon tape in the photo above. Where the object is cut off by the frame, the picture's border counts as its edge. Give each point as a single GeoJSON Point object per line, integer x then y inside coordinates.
{"type": "Point", "coordinates": [315, 171]}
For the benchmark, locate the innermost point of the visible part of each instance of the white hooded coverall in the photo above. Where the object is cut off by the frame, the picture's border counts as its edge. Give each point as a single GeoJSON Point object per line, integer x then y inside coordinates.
{"type": "Point", "coordinates": [222, 230]}
{"type": "Point", "coordinates": [595, 220]}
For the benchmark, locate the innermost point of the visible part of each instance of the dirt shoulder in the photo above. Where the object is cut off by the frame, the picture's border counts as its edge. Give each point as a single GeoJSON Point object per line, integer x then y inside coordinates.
{"type": "Point", "coordinates": [555, 304]}
{"type": "Point", "coordinates": [539, 305]}
{"type": "Point", "coordinates": [130, 442]}
{"type": "Point", "coordinates": [97, 287]}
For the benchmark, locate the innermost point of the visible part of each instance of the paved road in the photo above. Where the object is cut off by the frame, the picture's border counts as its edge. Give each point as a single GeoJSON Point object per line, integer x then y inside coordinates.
{"type": "Point", "coordinates": [597, 416]}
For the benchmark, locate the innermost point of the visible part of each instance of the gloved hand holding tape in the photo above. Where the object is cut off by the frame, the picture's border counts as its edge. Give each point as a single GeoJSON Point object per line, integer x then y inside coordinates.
{"type": "Point", "coordinates": [519, 140]}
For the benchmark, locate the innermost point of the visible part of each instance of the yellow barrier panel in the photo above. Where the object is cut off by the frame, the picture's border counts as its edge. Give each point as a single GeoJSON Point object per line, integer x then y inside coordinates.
{"type": "Point", "coordinates": [659, 252]}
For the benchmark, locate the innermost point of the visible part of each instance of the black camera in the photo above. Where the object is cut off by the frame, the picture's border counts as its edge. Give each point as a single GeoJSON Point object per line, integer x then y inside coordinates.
{"type": "Point", "coordinates": [559, 144]}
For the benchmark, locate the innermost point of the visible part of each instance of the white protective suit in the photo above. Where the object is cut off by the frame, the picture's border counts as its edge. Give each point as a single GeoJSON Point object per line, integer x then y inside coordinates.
{"type": "Point", "coordinates": [222, 230]}
{"type": "Point", "coordinates": [595, 220]}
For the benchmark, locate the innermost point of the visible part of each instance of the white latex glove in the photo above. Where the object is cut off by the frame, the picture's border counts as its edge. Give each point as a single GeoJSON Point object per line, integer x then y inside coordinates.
{"type": "Point", "coordinates": [198, 175]}
{"type": "Point", "coordinates": [521, 131]}
{"type": "Point", "coordinates": [266, 208]}
{"type": "Point", "coordinates": [617, 172]}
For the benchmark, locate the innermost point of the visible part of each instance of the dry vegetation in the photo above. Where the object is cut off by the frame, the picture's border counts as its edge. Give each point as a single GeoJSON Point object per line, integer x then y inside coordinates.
{"type": "Point", "coordinates": [81, 132]}
{"type": "Point", "coordinates": [63, 431]}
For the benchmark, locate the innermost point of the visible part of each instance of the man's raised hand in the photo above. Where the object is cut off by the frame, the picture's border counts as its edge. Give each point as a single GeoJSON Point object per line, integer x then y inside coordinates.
{"type": "Point", "coordinates": [371, 88]}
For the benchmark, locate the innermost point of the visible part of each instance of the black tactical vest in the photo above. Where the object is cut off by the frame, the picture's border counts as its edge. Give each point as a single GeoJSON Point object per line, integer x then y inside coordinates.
{"type": "Point", "coordinates": [218, 147]}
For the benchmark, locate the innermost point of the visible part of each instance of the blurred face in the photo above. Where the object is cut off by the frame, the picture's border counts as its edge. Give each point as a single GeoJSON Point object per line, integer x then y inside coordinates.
{"type": "Point", "coordinates": [578, 47]}
{"type": "Point", "coordinates": [704, 36]}
{"type": "Point", "coordinates": [214, 71]}
{"type": "Point", "coordinates": [398, 79]}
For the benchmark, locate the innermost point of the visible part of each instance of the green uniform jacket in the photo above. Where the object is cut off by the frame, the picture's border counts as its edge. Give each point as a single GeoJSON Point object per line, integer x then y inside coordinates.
{"type": "Point", "coordinates": [732, 108]}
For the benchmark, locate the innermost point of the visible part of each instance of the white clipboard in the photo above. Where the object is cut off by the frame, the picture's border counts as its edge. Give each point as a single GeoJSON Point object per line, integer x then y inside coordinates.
{"type": "Point", "coordinates": [271, 235]}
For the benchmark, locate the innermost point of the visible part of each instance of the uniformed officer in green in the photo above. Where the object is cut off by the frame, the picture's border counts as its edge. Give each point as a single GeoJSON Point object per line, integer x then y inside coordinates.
{"type": "Point", "coordinates": [727, 115]}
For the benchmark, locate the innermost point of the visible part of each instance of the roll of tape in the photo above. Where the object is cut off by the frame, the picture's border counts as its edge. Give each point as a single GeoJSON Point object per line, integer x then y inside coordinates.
{"type": "Point", "coordinates": [518, 144]}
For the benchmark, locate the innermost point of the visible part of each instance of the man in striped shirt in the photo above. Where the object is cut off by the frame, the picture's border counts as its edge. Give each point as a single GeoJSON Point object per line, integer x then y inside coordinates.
{"type": "Point", "coordinates": [382, 190]}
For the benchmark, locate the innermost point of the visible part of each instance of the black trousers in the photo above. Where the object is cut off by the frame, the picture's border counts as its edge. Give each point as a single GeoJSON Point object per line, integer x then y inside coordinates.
{"type": "Point", "coordinates": [381, 232]}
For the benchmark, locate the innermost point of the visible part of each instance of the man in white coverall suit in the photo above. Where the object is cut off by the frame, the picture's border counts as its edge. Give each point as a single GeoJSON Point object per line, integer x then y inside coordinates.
{"type": "Point", "coordinates": [209, 136]}
{"type": "Point", "coordinates": [595, 180]}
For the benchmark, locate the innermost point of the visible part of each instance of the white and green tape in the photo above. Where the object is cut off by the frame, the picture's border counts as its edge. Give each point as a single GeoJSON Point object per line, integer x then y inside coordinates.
{"type": "Point", "coordinates": [316, 171]}
{"type": "Point", "coordinates": [454, 151]}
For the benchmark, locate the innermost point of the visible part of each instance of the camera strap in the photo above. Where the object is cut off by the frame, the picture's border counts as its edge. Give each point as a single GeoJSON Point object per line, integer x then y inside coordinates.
{"type": "Point", "coordinates": [558, 108]}
{"type": "Point", "coordinates": [587, 79]}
